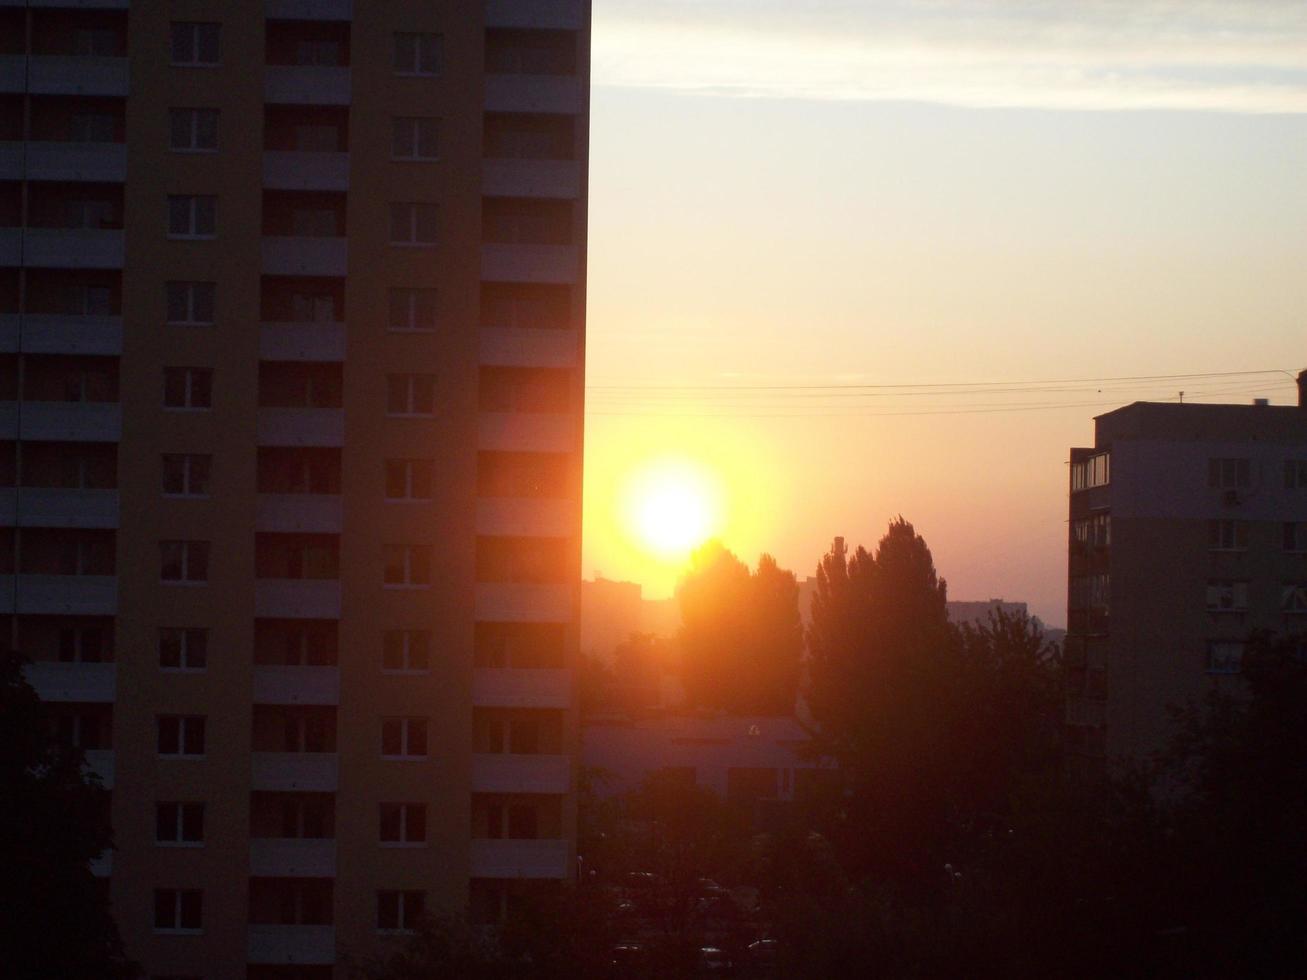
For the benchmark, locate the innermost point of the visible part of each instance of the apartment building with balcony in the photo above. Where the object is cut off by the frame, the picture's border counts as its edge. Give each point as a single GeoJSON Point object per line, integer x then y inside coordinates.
{"type": "Point", "coordinates": [1187, 531]}
{"type": "Point", "coordinates": [292, 310]}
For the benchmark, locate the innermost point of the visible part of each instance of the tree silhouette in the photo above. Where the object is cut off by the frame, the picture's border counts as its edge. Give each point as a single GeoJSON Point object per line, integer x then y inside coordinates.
{"type": "Point", "coordinates": [54, 820]}
{"type": "Point", "coordinates": [741, 637]}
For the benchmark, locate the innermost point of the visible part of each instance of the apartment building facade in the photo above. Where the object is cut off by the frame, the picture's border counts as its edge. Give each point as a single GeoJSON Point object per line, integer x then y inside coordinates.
{"type": "Point", "coordinates": [291, 386]}
{"type": "Point", "coordinates": [1188, 531]}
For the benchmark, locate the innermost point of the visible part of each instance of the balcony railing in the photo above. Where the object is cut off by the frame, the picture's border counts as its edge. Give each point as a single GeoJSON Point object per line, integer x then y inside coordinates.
{"type": "Point", "coordinates": [77, 75]}
{"type": "Point", "coordinates": [559, 94]}
{"type": "Point", "coordinates": [72, 248]}
{"type": "Point", "coordinates": [62, 421]}
{"type": "Point", "coordinates": [502, 687]}
{"type": "Point", "coordinates": [521, 774]}
{"type": "Point", "coordinates": [299, 513]}
{"type": "Point", "coordinates": [304, 255]}
{"type": "Point", "coordinates": [306, 85]}
{"type": "Point", "coordinates": [277, 857]}
{"type": "Point", "coordinates": [278, 598]}
{"type": "Point", "coordinates": [59, 595]}
{"type": "Point", "coordinates": [531, 178]}
{"type": "Point", "coordinates": [59, 333]}
{"type": "Point", "coordinates": [291, 945]}
{"type": "Point", "coordinates": [518, 859]}
{"type": "Point", "coordinates": [513, 603]}
{"type": "Point", "coordinates": [278, 684]}
{"type": "Point", "coordinates": [87, 683]}
{"type": "Point", "coordinates": [303, 171]}
{"type": "Point", "coordinates": [302, 342]}
{"type": "Point", "coordinates": [294, 772]}
{"type": "Point", "coordinates": [58, 507]}
{"type": "Point", "coordinates": [530, 263]}
{"type": "Point", "coordinates": [301, 427]}
{"type": "Point", "coordinates": [560, 15]}
{"type": "Point", "coordinates": [509, 347]}
{"type": "Point", "coordinates": [308, 9]}
{"type": "Point", "coordinates": [527, 432]}
{"type": "Point", "coordinates": [526, 517]}
{"type": "Point", "coordinates": [100, 163]}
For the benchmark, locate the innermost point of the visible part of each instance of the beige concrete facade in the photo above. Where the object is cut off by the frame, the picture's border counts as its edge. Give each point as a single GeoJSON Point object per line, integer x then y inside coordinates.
{"type": "Point", "coordinates": [292, 317]}
{"type": "Point", "coordinates": [1188, 531]}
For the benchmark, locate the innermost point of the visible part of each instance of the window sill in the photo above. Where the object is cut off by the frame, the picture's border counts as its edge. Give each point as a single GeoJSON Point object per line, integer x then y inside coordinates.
{"type": "Point", "coordinates": [406, 671]}
{"type": "Point", "coordinates": [413, 244]}
{"type": "Point", "coordinates": [416, 74]}
{"type": "Point", "coordinates": [187, 408]}
{"type": "Point", "coordinates": [190, 323]}
{"type": "Point", "coordinates": [193, 150]}
{"type": "Point", "coordinates": [402, 844]}
{"type": "Point", "coordinates": [191, 238]}
{"type": "Point", "coordinates": [395, 932]}
{"type": "Point", "coordinates": [195, 64]}
{"type": "Point", "coordinates": [405, 586]}
{"type": "Point", "coordinates": [410, 415]}
{"type": "Point", "coordinates": [418, 330]}
{"type": "Point", "coordinates": [189, 583]}
{"type": "Point", "coordinates": [186, 496]}
{"type": "Point", "coordinates": [179, 843]}
{"type": "Point", "coordinates": [177, 932]}
{"type": "Point", "coordinates": [395, 159]}
{"type": "Point", "coordinates": [408, 500]}
{"type": "Point", "coordinates": [182, 757]}
{"type": "Point", "coordinates": [184, 670]}
{"type": "Point", "coordinates": [405, 758]}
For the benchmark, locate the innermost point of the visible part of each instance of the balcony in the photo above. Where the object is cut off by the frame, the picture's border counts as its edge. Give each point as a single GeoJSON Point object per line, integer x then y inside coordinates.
{"type": "Point", "coordinates": [299, 513]}
{"type": "Point", "coordinates": [11, 247]}
{"type": "Point", "coordinates": [77, 75]}
{"type": "Point", "coordinates": [58, 507]}
{"type": "Point", "coordinates": [306, 85]}
{"type": "Point", "coordinates": [59, 595]}
{"type": "Point", "coordinates": [302, 342]}
{"type": "Point", "coordinates": [276, 684]}
{"type": "Point", "coordinates": [306, 171]}
{"type": "Point", "coordinates": [87, 683]}
{"type": "Point", "coordinates": [527, 517]}
{"type": "Point", "coordinates": [62, 421]}
{"type": "Point", "coordinates": [101, 163]}
{"type": "Point", "coordinates": [527, 433]}
{"type": "Point", "coordinates": [509, 347]}
{"type": "Point", "coordinates": [521, 774]}
{"type": "Point", "coordinates": [530, 263]}
{"type": "Point", "coordinates": [72, 248]}
{"type": "Point", "coordinates": [498, 602]}
{"type": "Point", "coordinates": [518, 859]}
{"type": "Point", "coordinates": [301, 427]}
{"type": "Point", "coordinates": [275, 857]}
{"type": "Point", "coordinates": [560, 94]}
{"type": "Point", "coordinates": [294, 772]}
{"type": "Point", "coordinates": [495, 687]}
{"type": "Point", "coordinates": [559, 15]}
{"type": "Point", "coordinates": [287, 598]}
{"type": "Point", "coordinates": [41, 333]}
{"type": "Point", "coordinates": [13, 73]}
{"type": "Point", "coordinates": [12, 166]}
{"type": "Point", "coordinates": [308, 9]}
{"type": "Point", "coordinates": [305, 256]}
{"type": "Point", "coordinates": [531, 178]}
{"type": "Point", "coordinates": [291, 945]}
{"type": "Point", "coordinates": [100, 762]}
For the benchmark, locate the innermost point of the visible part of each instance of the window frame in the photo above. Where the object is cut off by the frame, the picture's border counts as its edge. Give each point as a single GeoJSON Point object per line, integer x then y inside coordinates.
{"type": "Point", "coordinates": [413, 220]}
{"type": "Point", "coordinates": [409, 726]}
{"type": "Point", "coordinates": [193, 41]}
{"type": "Point", "coordinates": [416, 69]}
{"type": "Point", "coordinates": [194, 129]}
{"type": "Point", "coordinates": [189, 463]}
{"type": "Point", "coordinates": [410, 567]}
{"type": "Point", "coordinates": [191, 376]}
{"type": "Point", "coordinates": [186, 561]}
{"type": "Point", "coordinates": [406, 918]}
{"type": "Point", "coordinates": [178, 822]}
{"type": "Point", "coordinates": [193, 214]}
{"type": "Point", "coordinates": [402, 811]}
{"type": "Point", "coordinates": [410, 468]}
{"type": "Point", "coordinates": [185, 653]}
{"type": "Point", "coordinates": [410, 129]}
{"type": "Point", "coordinates": [407, 647]}
{"type": "Point", "coordinates": [186, 728]}
{"type": "Point", "coordinates": [410, 297]}
{"type": "Point", "coordinates": [178, 928]}
{"type": "Point", "coordinates": [190, 290]}
{"type": "Point", "coordinates": [411, 399]}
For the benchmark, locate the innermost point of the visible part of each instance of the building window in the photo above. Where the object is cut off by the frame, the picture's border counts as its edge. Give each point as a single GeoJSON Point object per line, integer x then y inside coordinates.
{"type": "Point", "coordinates": [414, 138]}
{"type": "Point", "coordinates": [83, 645]}
{"type": "Point", "coordinates": [1293, 597]}
{"type": "Point", "coordinates": [1295, 536]}
{"type": "Point", "coordinates": [407, 565]}
{"type": "Point", "coordinates": [181, 736]}
{"type": "Point", "coordinates": [178, 909]}
{"type": "Point", "coordinates": [413, 309]}
{"type": "Point", "coordinates": [406, 651]}
{"type": "Point", "coordinates": [1224, 595]}
{"type": "Point", "coordinates": [179, 823]}
{"type": "Point", "coordinates": [400, 911]}
{"type": "Point", "coordinates": [1224, 657]}
{"type": "Point", "coordinates": [313, 307]}
{"type": "Point", "coordinates": [1091, 533]}
{"type": "Point", "coordinates": [408, 479]}
{"type": "Point", "coordinates": [403, 823]}
{"type": "Point", "coordinates": [1095, 471]}
{"type": "Point", "coordinates": [184, 561]}
{"type": "Point", "coordinates": [306, 817]}
{"type": "Point", "coordinates": [418, 54]}
{"type": "Point", "coordinates": [413, 223]}
{"type": "Point", "coordinates": [188, 388]}
{"type": "Point", "coordinates": [1228, 474]}
{"type": "Point", "coordinates": [92, 127]}
{"type": "Point", "coordinates": [193, 130]}
{"type": "Point", "coordinates": [517, 821]}
{"type": "Point", "coordinates": [192, 215]}
{"type": "Point", "coordinates": [186, 474]}
{"type": "Point", "coordinates": [195, 45]}
{"type": "Point", "coordinates": [404, 738]}
{"type": "Point", "coordinates": [1295, 474]}
{"type": "Point", "coordinates": [190, 304]}
{"type": "Point", "coordinates": [183, 648]}
{"type": "Point", "coordinates": [95, 42]}
{"type": "Point", "coordinates": [410, 394]}
{"type": "Point", "coordinates": [90, 300]}
{"type": "Point", "coordinates": [1225, 535]}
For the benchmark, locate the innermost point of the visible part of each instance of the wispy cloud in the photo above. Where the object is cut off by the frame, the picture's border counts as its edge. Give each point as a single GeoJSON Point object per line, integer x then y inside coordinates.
{"type": "Point", "coordinates": [1234, 56]}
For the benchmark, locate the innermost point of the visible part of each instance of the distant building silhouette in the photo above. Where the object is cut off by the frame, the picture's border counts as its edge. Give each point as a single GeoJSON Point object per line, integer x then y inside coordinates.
{"type": "Point", "coordinates": [611, 611]}
{"type": "Point", "coordinates": [1188, 529]}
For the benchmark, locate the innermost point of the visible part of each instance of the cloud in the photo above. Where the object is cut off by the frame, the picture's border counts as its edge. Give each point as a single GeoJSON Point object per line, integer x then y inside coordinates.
{"type": "Point", "coordinates": [1237, 56]}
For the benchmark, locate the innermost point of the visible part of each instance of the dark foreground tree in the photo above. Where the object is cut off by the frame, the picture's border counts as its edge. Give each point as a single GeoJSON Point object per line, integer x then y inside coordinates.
{"type": "Point", "coordinates": [741, 638]}
{"type": "Point", "coordinates": [54, 820]}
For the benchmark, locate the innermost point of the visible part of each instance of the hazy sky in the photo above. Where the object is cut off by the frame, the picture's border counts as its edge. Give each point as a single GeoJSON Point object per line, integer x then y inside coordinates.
{"type": "Point", "coordinates": [962, 193]}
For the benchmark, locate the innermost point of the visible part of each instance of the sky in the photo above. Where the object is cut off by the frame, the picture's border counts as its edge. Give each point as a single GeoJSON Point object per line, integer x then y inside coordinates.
{"type": "Point", "coordinates": [851, 260]}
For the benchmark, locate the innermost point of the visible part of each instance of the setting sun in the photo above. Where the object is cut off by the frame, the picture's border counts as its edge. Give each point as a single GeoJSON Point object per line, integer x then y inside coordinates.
{"type": "Point", "coordinates": [671, 506]}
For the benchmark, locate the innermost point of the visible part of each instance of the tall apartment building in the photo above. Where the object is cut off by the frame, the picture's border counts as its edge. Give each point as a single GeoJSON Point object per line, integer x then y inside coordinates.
{"type": "Point", "coordinates": [292, 325]}
{"type": "Point", "coordinates": [1188, 530]}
